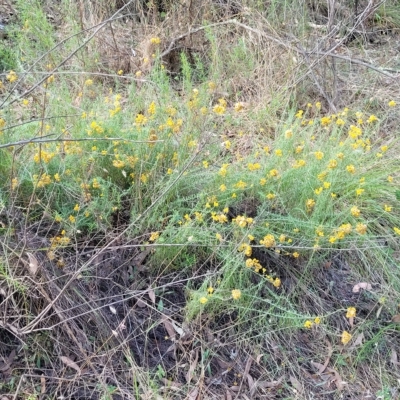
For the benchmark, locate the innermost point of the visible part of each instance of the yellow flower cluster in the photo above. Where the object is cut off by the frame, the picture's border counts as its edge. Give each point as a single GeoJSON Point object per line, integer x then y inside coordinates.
{"type": "Point", "coordinates": [268, 241]}
{"type": "Point", "coordinates": [95, 127]}
{"type": "Point", "coordinates": [253, 167]}
{"type": "Point", "coordinates": [12, 76]}
{"type": "Point", "coordinates": [254, 263]}
{"type": "Point", "coordinates": [221, 218]}
{"type": "Point", "coordinates": [155, 40]}
{"type": "Point", "coordinates": [309, 324]}
{"type": "Point", "coordinates": [154, 236]}
{"type": "Point", "coordinates": [236, 294]}
{"type": "Point", "coordinates": [242, 221]}
{"type": "Point", "coordinates": [59, 241]}
{"type": "Point", "coordinates": [342, 231]}
{"type": "Point", "coordinates": [220, 108]}
{"type": "Point", "coordinates": [43, 156]}
{"type": "Point", "coordinates": [246, 249]}
{"type": "Point", "coordinates": [351, 312]}
{"type": "Point", "coordinates": [117, 106]}
{"type": "Point", "coordinates": [44, 180]}
{"type": "Point", "coordinates": [346, 337]}
{"type": "Point", "coordinates": [310, 204]}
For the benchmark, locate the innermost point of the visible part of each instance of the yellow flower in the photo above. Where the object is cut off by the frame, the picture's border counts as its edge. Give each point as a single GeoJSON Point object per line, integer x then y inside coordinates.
{"type": "Point", "coordinates": [317, 320]}
{"type": "Point", "coordinates": [96, 184]}
{"type": "Point", "coordinates": [288, 134]}
{"type": "Point", "coordinates": [249, 263]}
{"type": "Point", "coordinates": [210, 290]}
{"type": "Point", "coordinates": [246, 249]}
{"type": "Point", "coordinates": [318, 191]}
{"type": "Point", "coordinates": [325, 121]}
{"type": "Point", "coordinates": [118, 163]}
{"type": "Point", "coordinates": [346, 337]}
{"type": "Point", "coordinates": [268, 241]}
{"type": "Point", "coordinates": [253, 167]}
{"type": "Point", "coordinates": [355, 212]}
{"type": "Point", "coordinates": [155, 40]}
{"type": "Point", "coordinates": [140, 119]}
{"type": "Point", "coordinates": [219, 109]}
{"type": "Point", "coordinates": [318, 105]}
{"type": "Point", "coordinates": [212, 85]}
{"type": "Point", "coordinates": [12, 76]}
{"type": "Point", "coordinates": [14, 183]}
{"type": "Point", "coordinates": [88, 82]}
{"type": "Point", "coordinates": [354, 132]}
{"type": "Point", "coordinates": [76, 208]}
{"type": "Point", "coordinates": [50, 79]}
{"type": "Point", "coordinates": [273, 172]}
{"type": "Point", "coordinates": [205, 164]}
{"type": "Point", "coordinates": [144, 178]}
{"type": "Point", "coordinates": [203, 300]}
{"type": "Point", "coordinates": [308, 324]}
{"type": "Point", "coordinates": [154, 236]}
{"type": "Point", "coordinates": [222, 188]}
{"type": "Point", "coordinates": [340, 122]}
{"type": "Point", "coordinates": [372, 118]}
{"type": "Point", "coordinates": [384, 148]}
{"type": "Point", "coordinates": [72, 219]}
{"type": "Point", "coordinates": [359, 191]}
{"type": "Point", "coordinates": [240, 220]}
{"type": "Point", "coordinates": [396, 231]}
{"type": "Point", "coordinates": [296, 254]}
{"type": "Point", "coordinates": [332, 164]}
{"type": "Point", "coordinates": [224, 170]}
{"type": "Point", "coordinates": [310, 203]}
{"type": "Point", "coordinates": [263, 181]}
{"type": "Point", "coordinates": [299, 164]}
{"type": "Point", "coordinates": [387, 208]}
{"type": "Point", "coordinates": [276, 282]}
{"type": "Point", "coordinates": [278, 152]}
{"type": "Point", "coordinates": [391, 103]}
{"type": "Point", "coordinates": [351, 312]}
{"type": "Point", "coordinates": [344, 229]}
{"type": "Point", "coordinates": [227, 144]}
{"type": "Point", "coordinates": [299, 149]}
{"type": "Point", "coordinates": [361, 229]}
{"type": "Point", "coordinates": [270, 196]}
{"type": "Point", "coordinates": [236, 294]}
{"type": "Point", "coordinates": [240, 184]}
{"type": "Point", "coordinates": [120, 72]}
{"type": "Point", "coordinates": [218, 236]}
{"type": "Point", "coordinates": [319, 155]}
{"type": "Point", "coordinates": [299, 114]}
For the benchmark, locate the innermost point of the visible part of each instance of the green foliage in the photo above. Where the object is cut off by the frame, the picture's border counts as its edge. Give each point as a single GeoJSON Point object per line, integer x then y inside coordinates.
{"type": "Point", "coordinates": [8, 59]}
